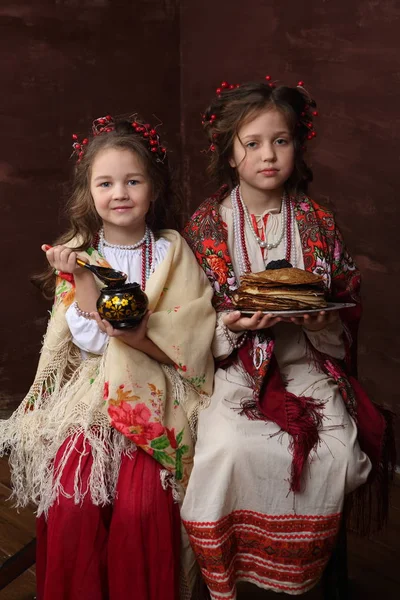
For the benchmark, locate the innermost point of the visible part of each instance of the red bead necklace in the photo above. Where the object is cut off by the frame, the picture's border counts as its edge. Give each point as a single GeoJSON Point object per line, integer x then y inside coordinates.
{"type": "Point", "coordinates": [287, 206]}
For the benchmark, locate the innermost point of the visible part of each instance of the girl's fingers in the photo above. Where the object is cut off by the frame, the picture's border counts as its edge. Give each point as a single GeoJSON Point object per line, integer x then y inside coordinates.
{"type": "Point", "coordinates": [64, 256]}
{"type": "Point", "coordinates": [145, 320]}
{"type": "Point", "coordinates": [106, 327]}
{"type": "Point", "coordinates": [55, 253]}
{"type": "Point", "coordinates": [71, 261]}
{"type": "Point", "coordinates": [273, 321]}
{"type": "Point", "coordinates": [50, 257]}
{"type": "Point", "coordinates": [265, 321]}
{"type": "Point", "coordinates": [257, 319]}
{"type": "Point", "coordinates": [232, 317]}
{"type": "Point", "coordinates": [101, 324]}
{"type": "Point", "coordinates": [296, 320]}
{"type": "Point", "coordinates": [261, 321]}
{"type": "Point", "coordinates": [109, 329]}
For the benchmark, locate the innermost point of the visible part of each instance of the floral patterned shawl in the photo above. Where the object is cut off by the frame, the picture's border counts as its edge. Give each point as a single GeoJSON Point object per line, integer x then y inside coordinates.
{"type": "Point", "coordinates": [153, 406]}
{"type": "Point", "coordinates": [325, 254]}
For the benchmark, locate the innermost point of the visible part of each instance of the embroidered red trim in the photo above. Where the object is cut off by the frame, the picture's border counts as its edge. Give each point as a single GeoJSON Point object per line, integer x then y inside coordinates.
{"type": "Point", "coordinates": [281, 552]}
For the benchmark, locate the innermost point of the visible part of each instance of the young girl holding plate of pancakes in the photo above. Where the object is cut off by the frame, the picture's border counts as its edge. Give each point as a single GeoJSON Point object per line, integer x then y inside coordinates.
{"type": "Point", "coordinates": [289, 432]}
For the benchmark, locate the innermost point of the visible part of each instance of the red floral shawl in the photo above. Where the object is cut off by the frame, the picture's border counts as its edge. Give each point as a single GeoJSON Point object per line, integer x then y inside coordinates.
{"type": "Point", "coordinates": [324, 253]}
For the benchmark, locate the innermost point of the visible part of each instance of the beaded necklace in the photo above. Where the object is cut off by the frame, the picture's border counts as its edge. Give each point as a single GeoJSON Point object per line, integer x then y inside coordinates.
{"type": "Point", "coordinates": [241, 216]}
{"type": "Point", "coordinates": [146, 244]}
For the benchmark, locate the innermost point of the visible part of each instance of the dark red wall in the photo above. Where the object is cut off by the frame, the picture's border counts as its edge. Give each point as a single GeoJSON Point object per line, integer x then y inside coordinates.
{"type": "Point", "coordinates": [62, 64]}
{"type": "Point", "coordinates": [347, 52]}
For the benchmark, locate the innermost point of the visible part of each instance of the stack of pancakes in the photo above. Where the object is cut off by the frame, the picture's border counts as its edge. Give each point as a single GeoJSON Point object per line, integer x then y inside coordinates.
{"type": "Point", "coordinates": [280, 289]}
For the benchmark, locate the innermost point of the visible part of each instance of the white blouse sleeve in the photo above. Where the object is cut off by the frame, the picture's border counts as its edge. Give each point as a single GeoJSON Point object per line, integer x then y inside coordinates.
{"type": "Point", "coordinates": [85, 332]}
{"type": "Point", "coordinates": [328, 340]}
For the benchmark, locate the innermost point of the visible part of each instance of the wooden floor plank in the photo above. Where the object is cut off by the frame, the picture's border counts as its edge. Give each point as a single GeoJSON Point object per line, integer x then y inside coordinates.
{"type": "Point", "coordinates": [22, 519]}
{"type": "Point", "coordinates": [23, 588]}
{"type": "Point", "coordinates": [4, 472]}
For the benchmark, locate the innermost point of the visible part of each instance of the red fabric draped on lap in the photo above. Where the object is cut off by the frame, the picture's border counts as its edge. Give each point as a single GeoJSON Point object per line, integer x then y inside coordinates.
{"type": "Point", "coordinates": [111, 552]}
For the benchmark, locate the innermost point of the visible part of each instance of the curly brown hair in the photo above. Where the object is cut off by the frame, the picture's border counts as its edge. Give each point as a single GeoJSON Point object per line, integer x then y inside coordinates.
{"type": "Point", "coordinates": [236, 105]}
{"type": "Point", "coordinates": [84, 222]}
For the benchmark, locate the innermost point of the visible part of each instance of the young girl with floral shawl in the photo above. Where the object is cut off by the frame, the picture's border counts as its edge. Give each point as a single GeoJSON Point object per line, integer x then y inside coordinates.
{"type": "Point", "coordinates": [103, 442]}
{"type": "Point", "coordinates": [288, 431]}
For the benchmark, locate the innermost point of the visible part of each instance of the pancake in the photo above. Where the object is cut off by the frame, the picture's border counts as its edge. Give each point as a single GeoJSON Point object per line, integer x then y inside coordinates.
{"type": "Point", "coordinates": [292, 276]}
{"type": "Point", "coordinates": [280, 289]}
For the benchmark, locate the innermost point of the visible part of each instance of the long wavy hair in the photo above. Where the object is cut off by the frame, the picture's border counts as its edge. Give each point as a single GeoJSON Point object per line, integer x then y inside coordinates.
{"type": "Point", "coordinates": [84, 222]}
{"type": "Point", "coordinates": [232, 108]}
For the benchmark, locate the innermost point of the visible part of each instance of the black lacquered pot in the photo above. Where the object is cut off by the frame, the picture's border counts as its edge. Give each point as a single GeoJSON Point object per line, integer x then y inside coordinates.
{"type": "Point", "coordinates": [123, 306]}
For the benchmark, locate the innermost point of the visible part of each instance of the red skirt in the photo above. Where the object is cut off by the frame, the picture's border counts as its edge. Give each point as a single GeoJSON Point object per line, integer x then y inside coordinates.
{"type": "Point", "coordinates": [130, 549]}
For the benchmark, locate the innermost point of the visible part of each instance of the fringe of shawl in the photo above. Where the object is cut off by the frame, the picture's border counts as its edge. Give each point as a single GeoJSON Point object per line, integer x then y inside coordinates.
{"type": "Point", "coordinates": [182, 390]}
{"type": "Point", "coordinates": [44, 420]}
{"type": "Point", "coordinates": [37, 429]}
{"type": "Point", "coordinates": [367, 508]}
{"type": "Point", "coordinates": [304, 418]}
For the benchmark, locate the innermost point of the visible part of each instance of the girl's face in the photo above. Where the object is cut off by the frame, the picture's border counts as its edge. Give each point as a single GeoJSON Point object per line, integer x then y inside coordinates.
{"type": "Point", "coordinates": [121, 189]}
{"type": "Point", "coordinates": [263, 152]}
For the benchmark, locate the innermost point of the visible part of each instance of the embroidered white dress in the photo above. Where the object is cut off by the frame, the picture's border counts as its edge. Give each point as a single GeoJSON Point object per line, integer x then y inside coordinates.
{"type": "Point", "coordinates": [242, 519]}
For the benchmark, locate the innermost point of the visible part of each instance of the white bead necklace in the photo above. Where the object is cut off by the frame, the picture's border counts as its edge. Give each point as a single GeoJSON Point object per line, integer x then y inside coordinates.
{"type": "Point", "coordinates": [103, 243]}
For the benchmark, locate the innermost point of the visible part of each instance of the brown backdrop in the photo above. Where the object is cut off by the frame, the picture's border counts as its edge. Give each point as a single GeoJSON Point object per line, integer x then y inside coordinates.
{"type": "Point", "coordinates": [61, 64]}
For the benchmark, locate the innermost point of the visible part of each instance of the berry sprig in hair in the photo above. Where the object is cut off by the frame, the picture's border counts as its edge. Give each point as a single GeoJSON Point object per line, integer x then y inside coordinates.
{"type": "Point", "coordinates": [100, 125]}
{"type": "Point", "coordinates": [226, 86]}
{"type": "Point", "coordinates": [309, 112]}
{"type": "Point", "coordinates": [104, 125]}
{"type": "Point", "coordinates": [152, 137]}
{"type": "Point", "coordinates": [78, 148]}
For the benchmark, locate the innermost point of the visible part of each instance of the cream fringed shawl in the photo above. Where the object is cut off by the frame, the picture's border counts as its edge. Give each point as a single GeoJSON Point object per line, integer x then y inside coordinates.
{"type": "Point", "coordinates": [148, 405]}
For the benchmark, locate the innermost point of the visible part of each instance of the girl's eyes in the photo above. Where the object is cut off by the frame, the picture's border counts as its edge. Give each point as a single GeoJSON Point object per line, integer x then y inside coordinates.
{"type": "Point", "coordinates": [279, 142]}
{"type": "Point", "coordinates": [106, 184]}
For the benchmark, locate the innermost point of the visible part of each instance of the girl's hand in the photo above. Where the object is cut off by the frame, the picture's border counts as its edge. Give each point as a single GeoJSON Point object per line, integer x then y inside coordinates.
{"type": "Point", "coordinates": [133, 337]}
{"type": "Point", "coordinates": [236, 323]}
{"type": "Point", "coordinates": [315, 321]}
{"type": "Point", "coordinates": [61, 258]}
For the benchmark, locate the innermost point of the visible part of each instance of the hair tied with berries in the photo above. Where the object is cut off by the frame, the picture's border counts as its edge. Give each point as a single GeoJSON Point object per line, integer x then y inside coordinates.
{"type": "Point", "coordinates": [149, 133]}
{"type": "Point", "coordinates": [78, 148]}
{"type": "Point", "coordinates": [106, 124]}
{"type": "Point", "coordinates": [308, 113]}
{"type": "Point", "coordinates": [227, 91]}
{"type": "Point", "coordinates": [225, 87]}
{"type": "Point", "coordinates": [99, 126]}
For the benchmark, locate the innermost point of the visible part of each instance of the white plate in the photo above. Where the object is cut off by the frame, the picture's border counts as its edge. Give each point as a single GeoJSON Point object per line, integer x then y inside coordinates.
{"type": "Point", "coordinates": [275, 313]}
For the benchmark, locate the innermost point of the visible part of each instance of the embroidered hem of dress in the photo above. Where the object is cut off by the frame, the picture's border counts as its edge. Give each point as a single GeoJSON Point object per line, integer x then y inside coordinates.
{"type": "Point", "coordinates": [283, 553]}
